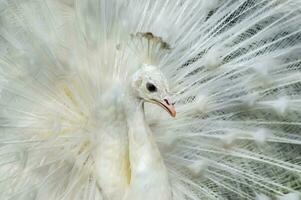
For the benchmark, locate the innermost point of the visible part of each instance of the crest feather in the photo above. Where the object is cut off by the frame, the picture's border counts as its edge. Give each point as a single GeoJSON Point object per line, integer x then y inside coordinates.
{"type": "Point", "coordinates": [148, 47]}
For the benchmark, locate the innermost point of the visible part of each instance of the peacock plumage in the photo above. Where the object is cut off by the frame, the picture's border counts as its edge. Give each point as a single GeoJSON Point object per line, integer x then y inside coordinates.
{"type": "Point", "coordinates": [79, 80]}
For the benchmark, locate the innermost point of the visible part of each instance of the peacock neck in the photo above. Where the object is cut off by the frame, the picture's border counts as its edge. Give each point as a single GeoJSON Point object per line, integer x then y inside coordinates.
{"type": "Point", "coordinates": [142, 147]}
{"type": "Point", "coordinates": [149, 178]}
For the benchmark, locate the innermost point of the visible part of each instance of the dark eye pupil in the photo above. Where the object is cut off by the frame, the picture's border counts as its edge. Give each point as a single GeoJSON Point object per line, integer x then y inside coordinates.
{"type": "Point", "coordinates": [151, 87]}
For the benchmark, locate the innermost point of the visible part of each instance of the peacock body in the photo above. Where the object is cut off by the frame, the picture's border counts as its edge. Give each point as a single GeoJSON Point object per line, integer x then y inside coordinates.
{"type": "Point", "coordinates": [79, 80]}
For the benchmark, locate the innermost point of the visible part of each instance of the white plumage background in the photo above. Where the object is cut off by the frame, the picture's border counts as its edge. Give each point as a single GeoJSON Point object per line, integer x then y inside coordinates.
{"type": "Point", "coordinates": [234, 71]}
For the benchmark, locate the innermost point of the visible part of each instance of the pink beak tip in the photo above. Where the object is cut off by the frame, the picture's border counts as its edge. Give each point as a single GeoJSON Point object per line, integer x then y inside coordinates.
{"type": "Point", "coordinates": [170, 107]}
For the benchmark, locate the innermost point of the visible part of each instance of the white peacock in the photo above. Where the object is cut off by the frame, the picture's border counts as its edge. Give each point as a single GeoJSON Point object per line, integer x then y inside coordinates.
{"type": "Point", "coordinates": [87, 89]}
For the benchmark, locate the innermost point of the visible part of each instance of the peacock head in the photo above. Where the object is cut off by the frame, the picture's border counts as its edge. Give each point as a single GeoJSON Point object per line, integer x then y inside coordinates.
{"type": "Point", "coordinates": [150, 85]}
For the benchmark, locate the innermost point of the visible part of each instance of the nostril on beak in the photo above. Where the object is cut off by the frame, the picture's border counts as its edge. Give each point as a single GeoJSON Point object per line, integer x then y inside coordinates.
{"type": "Point", "coordinates": [166, 101]}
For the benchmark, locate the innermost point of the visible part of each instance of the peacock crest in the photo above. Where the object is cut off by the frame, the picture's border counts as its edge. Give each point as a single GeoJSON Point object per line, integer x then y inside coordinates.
{"type": "Point", "coordinates": [148, 48]}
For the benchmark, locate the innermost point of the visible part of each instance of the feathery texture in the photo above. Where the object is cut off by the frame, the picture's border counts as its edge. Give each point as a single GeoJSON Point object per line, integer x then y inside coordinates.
{"type": "Point", "coordinates": [234, 67]}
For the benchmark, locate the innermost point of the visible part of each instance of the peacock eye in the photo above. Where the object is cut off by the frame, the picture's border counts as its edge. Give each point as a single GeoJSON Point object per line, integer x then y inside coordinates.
{"type": "Point", "coordinates": [151, 87]}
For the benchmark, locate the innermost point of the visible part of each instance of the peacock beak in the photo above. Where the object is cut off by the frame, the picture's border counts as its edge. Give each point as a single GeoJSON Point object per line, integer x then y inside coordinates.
{"type": "Point", "coordinates": [168, 106]}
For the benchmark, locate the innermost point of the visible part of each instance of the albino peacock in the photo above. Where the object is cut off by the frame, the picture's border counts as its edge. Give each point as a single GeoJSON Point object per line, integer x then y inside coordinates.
{"type": "Point", "coordinates": [79, 80]}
